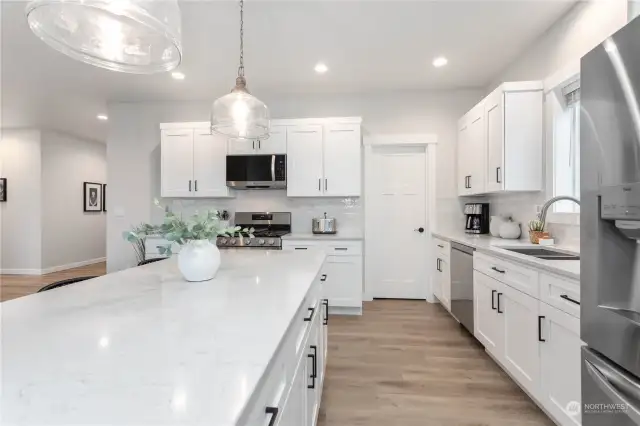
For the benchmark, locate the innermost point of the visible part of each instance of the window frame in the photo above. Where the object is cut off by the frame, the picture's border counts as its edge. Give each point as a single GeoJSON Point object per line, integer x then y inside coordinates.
{"type": "Point", "coordinates": [553, 98]}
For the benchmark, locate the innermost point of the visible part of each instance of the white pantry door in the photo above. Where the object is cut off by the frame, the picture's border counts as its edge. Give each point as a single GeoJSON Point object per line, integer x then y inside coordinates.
{"type": "Point", "coordinates": [398, 179]}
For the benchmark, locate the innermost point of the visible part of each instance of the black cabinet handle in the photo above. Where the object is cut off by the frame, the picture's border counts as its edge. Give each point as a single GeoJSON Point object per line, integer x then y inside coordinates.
{"type": "Point", "coordinates": [498, 169]}
{"type": "Point", "coordinates": [499, 311]}
{"type": "Point", "coordinates": [195, 182]}
{"type": "Point", "coordinates": [493, 294]}
{"type": "Point", "coordinates": [540, 318]}
{"type": "Point", "coordinates": [440, 245]}
{"type": "Point", "coordinates": [314, 368]}
{"type": "Point", "coordinates": [341, 248]}
{"type": "Point", "coordinates": [301, 248]}
{"type": "Point", "coordinates": [273, 411]}
{"type": "Point", "coordinates": [567, 298]}
{"type": "Point", "coordinates": [312, 311]}
{"type": "Point", "coordinates": [189, 186]}
{"type": "Point", "coordinates": [438, 265]}
{"type": "Point", "coordinates": [498, 270]}
{"type": "Point", "coordinates": [466, 182]}
{"type": "Point", "coordinates": [325, 302]}
{"type": "Point", "coordinates": [469, 182]}
{"type": "Point", "coordinates": [323, 278]}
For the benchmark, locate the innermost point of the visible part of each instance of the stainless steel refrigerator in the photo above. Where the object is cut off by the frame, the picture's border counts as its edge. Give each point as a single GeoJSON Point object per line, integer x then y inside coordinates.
{"type": "Point", "coordinates": [610, 230]}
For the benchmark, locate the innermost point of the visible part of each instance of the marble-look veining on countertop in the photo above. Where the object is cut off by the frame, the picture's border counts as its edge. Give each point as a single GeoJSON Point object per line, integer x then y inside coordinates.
{"type": "Point", "coordinates": [495, 246]}
{"type": "Point", "coordinates": [144, 347]}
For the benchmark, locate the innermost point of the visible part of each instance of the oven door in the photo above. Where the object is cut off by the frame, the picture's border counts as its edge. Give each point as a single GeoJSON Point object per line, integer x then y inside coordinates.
{"type": "Point", "coordinates": [256, 171]}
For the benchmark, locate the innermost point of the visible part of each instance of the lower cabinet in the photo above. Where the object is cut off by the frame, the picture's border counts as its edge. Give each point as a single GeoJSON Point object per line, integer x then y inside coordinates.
{"type": "Point", "coordinates": [292, 389]}
{"type": "Point", "coordinates": [441, 277]}
{"type": "Point", "coordinates": [536, 343]}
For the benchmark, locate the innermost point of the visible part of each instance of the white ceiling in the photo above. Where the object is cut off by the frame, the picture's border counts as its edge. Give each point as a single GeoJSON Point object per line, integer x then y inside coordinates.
{"type": "Point", "coordinates": [367, 45]}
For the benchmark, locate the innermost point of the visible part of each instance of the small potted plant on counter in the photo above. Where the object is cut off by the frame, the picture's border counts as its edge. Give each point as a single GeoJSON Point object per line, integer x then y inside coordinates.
{"type": "Point", "coordinates": [536, 231]}
{"type": "Point", "coordinates": [199, 257]}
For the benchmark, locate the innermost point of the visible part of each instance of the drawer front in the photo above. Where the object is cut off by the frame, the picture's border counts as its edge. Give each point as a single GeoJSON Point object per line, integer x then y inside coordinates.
{"type": "Point", "coordinates": [517, 276]}
{"type": "Point", "coordinates": [334, 248]}
{"type": "Point", "coordinates": [562, 293]}
{"type": "Point", "coordinates": [442, 248]}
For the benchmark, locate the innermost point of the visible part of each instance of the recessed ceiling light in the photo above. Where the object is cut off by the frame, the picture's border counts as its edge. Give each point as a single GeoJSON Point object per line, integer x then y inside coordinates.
{"type": "Point", "coordinates": [321, 68]}
{"type": "Point", "coordinates": [177, 75]}
{"type": "Point", "coordinates": [440, 61]}
{"type": "Point", "coordinates": [102, 117]}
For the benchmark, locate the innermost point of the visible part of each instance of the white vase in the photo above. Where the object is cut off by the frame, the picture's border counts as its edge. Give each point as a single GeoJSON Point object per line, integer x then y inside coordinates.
{"type": "Point", "coordinates": [199, 260]}
{"type": "Point", "coordinates": [510, 230]}
{"type": "Point", "coordinates": [495, 224]}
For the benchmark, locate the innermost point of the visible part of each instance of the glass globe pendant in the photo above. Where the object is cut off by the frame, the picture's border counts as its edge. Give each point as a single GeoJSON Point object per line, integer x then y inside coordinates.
{"type": "Point", "coordinates": [133, 36]}
{"type": "Point", "coordinates": [239, 114]}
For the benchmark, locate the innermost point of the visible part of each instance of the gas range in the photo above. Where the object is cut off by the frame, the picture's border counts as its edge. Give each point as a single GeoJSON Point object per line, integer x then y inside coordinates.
{"type": "Point", "coordinates": [268, 230]}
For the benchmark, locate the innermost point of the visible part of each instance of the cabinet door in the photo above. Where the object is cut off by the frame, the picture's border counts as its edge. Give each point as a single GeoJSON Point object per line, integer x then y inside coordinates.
{"type": "Point", "coordinates": [463, 154]}
{"type": "Point", "coordinates": [560, 363]}
{"type": "Point", "coordinates": [343, 286]}
{"type": "Point", "coordinates": [342, 161]}
{"type": "Point", "coordinates": [241, 147]}
{"type": "Point", "coordinates": [487, 321]}
{"type": "Point", "coordinates": [304, 161]}
{"type": "Point", "coordinates": [177, 163]}
{"type": "Point", "coordinates": [294, 411]}
{"type": "Point", "coordinates": [437, 280]}
{"type": "Point", "coordinates": [521, 354]}
{"type": "Point", "coordinates": [313, 372]}
{"type": "Point", "coordinates": [494, 116]}
{"type": "Point", "coordinates": [477, 152]}
{"type": "Point", "coordinates": [275, 144]}
{"type": "Point", "coordinates": [445, 282]}
{"type": "Point", "coordinates": [209, 165]}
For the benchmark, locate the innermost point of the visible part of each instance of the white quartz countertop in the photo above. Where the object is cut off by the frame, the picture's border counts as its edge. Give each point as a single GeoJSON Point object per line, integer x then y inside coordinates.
{"type": "Point", "coordinates": [329, 237]}
{"type": "Point", "coordinates": [495, 246]}
{"type": "Point", "coordinates": [143, 347]}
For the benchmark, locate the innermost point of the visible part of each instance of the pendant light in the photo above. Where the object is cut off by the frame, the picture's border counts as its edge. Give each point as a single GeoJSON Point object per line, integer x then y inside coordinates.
{"type": "Point", "coordinates": [240, 114]}
{"type": "Point", "coordinates": [133, 36]}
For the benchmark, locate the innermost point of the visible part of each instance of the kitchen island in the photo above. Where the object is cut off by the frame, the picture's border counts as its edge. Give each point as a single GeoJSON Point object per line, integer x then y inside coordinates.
{"type": "Point", "coordinates": [144, 347]}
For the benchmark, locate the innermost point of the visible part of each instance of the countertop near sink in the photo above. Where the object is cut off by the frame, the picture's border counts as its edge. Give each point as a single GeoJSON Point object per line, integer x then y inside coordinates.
{"type": "Point", "coordinates": [330, 237]}
{"type": "Point", "coordinates": [492, 246]}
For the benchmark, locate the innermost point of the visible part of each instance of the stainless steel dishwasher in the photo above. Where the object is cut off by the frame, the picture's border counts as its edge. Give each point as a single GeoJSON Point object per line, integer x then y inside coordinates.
{"type": "Point", "coordinates": [462, 284]}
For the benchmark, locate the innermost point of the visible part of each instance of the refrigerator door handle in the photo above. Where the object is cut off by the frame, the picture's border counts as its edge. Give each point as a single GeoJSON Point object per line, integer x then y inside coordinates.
{"type": "Point", "coordinates": [613, 383]}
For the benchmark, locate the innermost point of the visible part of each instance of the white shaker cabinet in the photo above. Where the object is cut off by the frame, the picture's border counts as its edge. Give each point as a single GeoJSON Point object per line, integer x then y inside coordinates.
{"type": "Point", "coordinates": [441, 278]}
{"type": "Point", "coordinates": [560, 363]}
{"type": "Point", "coordinates": [304, 161]}
{"type": "Point", "coordinates": [471, 152]}
{"type": "Point", "coordinates": [276, 143]}
{"type": "Point", "coordinates": [488, 322]}
{"type": "Point", "coordinates": [514, 128]}
{"type": "Point", "coordinates": [324, 159]}
{"type": "Point", "coordinates": [193, 162]}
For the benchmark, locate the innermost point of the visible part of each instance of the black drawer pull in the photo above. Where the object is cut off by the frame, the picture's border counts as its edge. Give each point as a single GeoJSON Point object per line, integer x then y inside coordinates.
{"type": "Point", "coordinates": [273, 411]}
{"type": "Point", "coordinates": [314, 368]}
{"type": "Point", "coordinates": [301, 248]}
{"type": "Point", "coordinates": [567, 298]}
{"type": "Point", "coordinates": [340, 248]}
{"type": "Point", "coordinates": [540, 318]}
{"type": "Point", "coordinates": [438, 265]}
{"type": "Point", "coordinates": [498, 270]}
{"type": "Point", "coordinates": [323, 278]}
{"type": "Point", "coordinates": [312, 311]}
{"type": "Point", "coordinates": [499, 311]}
{"type": "Point", "coordinates": [440, 245]}
{"type": "Point", "coordinates": [325, 302]}
{"type": "Point", "coordinates": [493, 294]}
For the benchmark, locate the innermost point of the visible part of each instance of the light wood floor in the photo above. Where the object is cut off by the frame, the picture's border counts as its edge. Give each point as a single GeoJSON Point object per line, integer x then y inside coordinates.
{"type": "Point", "coordinates": [402, 363]}
{"type": "Point", "coordinates": [406, 363]}
{"type": "Point", "coordinates": [12, 286]}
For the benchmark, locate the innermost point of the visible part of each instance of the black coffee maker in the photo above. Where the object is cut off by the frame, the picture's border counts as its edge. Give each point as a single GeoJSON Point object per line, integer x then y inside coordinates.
{"type": "Point", "coordinates": [477, 218]}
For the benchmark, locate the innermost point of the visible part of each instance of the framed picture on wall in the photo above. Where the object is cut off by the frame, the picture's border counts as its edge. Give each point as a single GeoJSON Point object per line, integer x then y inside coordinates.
{"type": "Point", "coordinates": [104, 197]}
{"type": "Point", "coordinates": [92, 197]}
{"type": "Point", "coordinates": [3, 189]}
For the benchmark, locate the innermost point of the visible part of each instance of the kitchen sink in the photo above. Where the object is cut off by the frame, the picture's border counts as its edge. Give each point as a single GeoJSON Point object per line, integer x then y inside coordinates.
{"type": "Point", "coordinates": [543, 253]}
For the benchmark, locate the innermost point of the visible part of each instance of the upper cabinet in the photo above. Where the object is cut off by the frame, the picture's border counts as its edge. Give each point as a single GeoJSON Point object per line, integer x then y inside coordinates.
{"type": "Point", "coordinates": [324, 160]}
{"type": "Point", "coordinates": [500, 141]}
{"type": "Point", "coordinates": [275, 144]}
{"type": "Point", "coordinates": [193, 162]}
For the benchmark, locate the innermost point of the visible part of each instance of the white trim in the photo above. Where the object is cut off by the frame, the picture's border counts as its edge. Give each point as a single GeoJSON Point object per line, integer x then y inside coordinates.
{"type": "Point", "coordinates": [560, 78]}
{"type": "Point", "coordinates": [428, 141]}
{"type": "Point", "coordinates": [275, 122]}
{"type": "Point", "coordinates": [186, 125]}
{"type": "Point", "coordinates": [53, 268]}
{"type": "Point", "coordinates": [400, 139]}
{"type": "Point", "coordinates": [521, 86]}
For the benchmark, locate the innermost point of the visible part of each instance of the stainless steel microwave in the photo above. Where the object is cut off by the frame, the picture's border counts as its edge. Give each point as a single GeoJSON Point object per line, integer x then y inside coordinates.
{"type": "Point", "coordinates": [257, 171]}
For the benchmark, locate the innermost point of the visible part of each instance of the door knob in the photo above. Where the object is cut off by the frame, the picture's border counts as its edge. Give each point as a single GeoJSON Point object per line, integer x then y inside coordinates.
{"type": "Point", "coordinates": [420, 230]}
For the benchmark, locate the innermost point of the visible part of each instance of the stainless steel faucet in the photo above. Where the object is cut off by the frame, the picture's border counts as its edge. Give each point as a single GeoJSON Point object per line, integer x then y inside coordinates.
{"type": "Point", "coordinates": [542, 216]}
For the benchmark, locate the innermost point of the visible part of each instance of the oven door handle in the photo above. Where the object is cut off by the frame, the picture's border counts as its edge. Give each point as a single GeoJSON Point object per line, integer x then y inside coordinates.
{"type": "Point", "coordinates": [273, 168]}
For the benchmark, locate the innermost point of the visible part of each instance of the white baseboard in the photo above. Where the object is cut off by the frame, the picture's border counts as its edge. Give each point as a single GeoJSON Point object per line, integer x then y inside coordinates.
{"type": "Point", "coordinates": [72, 265]}
{"type": "Point", "coordinates": [53, 268]}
